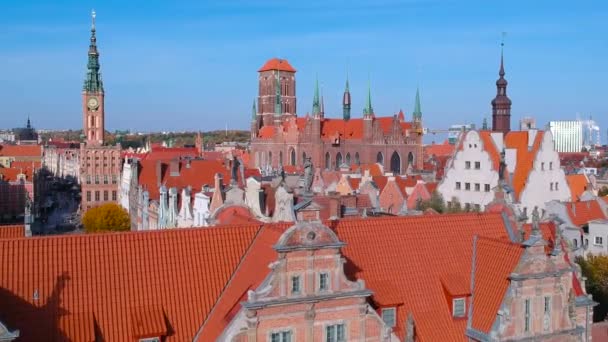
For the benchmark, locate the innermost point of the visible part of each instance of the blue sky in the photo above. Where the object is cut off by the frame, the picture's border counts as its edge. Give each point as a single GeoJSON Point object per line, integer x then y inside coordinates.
{"type": "Point", "coordinates": [178, 65]}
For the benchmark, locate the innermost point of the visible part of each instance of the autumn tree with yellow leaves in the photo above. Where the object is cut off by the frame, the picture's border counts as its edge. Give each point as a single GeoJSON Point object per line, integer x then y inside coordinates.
{"type": "Point", "coordinates": [109, 217]}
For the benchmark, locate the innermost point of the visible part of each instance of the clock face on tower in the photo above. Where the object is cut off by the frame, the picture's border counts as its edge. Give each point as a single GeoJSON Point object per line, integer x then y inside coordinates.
{"type": "Point", "coordinates": [93, 103]}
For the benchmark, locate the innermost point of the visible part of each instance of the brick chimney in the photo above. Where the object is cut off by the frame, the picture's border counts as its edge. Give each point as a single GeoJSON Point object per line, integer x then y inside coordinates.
{"type": "Point", "coordinates": [159, 173]}
{"type": "Point", "coordinates": [334, 206]}
{"type": "Point", "coordinates": [174, 168]}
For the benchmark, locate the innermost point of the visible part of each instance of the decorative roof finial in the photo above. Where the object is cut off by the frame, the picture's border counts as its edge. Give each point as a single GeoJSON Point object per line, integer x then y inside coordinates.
{"type": "Point", "coordinates": [417, 111]}
{"type": "Point", "coordinates": [93, 15]}
{"type": "Point", "coordinates": [502, 47]}
{"type": "Point", "coordinates": [368, 105]}
{"type": "Point", "coordinates": [253, 111]}
{"type": "Point", "coordinates": [535, 221]}
{"type": "Point", "coordinates": [315, 100]}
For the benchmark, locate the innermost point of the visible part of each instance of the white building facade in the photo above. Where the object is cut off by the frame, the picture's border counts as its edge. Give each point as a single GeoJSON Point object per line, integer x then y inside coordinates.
{"type": "Point", "coordinates": [568, 135]}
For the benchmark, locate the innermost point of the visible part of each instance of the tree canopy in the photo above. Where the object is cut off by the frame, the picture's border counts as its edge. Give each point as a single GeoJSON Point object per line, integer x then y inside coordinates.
{"type": "Point", "coordinates": [603, 191]}
{"type": "Point", "coordinates": [595, 268]}
{"type": "Point", "coordinates": [109, 217]}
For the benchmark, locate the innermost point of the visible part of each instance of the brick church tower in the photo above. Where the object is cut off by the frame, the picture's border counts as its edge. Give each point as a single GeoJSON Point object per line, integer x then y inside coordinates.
{"type": "Point", "coordinates": [277, 92]}
{"type": "Point", "coordinates": [501, 105]}
{"type": "Point", "coordinates": [99, 164]}
{"type": "Point", "coordinates": [93, 96]}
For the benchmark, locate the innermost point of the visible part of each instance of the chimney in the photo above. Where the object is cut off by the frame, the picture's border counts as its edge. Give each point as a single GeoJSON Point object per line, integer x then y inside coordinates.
{"type": "Point", "coordinates": [334, 206]}
{"type": "Point", "coordinates": [174, 168]}
{"type": "Point", "coordinates": [573, 208]}
{"type": "Point", "coordinates": [159, 173]}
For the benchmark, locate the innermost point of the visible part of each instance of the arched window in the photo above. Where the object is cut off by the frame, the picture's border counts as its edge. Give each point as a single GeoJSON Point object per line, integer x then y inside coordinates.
{"type": "Point", "coordinates": [410, 159]}
{"type": "Point", "coordinates": [269, 161]}
{"type": "Point", "coordinates": [303, 157]}
{"type": "Point", "coordinates": [280, 157]}
{"type": "Point", "coordinates": [292, 157]}
{"type": "Point", "coordinates": [380, 158]}
{"type": "Point", "coordinates": [357, 160]}
{"type": "Point", "coordinates": [348, 159]}
{"type": "Point", "coordinates": [327, 161]}
{"type": "Point", "coordinates": [338, 160]}
{"type": "Point", "coordinates": [395, 163]}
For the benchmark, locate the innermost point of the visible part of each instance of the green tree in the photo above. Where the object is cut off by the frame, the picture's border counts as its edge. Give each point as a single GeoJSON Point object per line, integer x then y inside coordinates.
{"type": "Point", "coordinates": [595, 269]}
{"type": "Point", "coordinates": [456, 207]}
{"type": "Point", "coordinates": [435, 202]}
{"type": "Point", "coordinates": [603, 191]}
{"type": "Point", "coordinates": [108, 217]}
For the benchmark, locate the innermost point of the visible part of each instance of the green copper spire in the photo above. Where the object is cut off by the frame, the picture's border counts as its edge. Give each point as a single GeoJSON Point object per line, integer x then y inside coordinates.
{"type": "Point", "coordinates": [253, 112]}
{"type": "Point", "coordinates": [93, 82]}
{"type": "Point", "coordinates": [315, 101]}
{"type": "Point", "coordinates": [484, 124]}
{"type": "Point", "coordinates": [417, 114]}
{"type": "Point", "coordinates": [277, 104]}
{"type": "Point", "coordinates": [368, 110]}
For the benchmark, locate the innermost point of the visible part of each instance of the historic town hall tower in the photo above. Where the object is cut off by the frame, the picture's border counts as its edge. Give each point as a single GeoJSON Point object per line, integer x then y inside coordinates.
{"type": "Point", "coordinates": [92, 95]}
{"type": "Point", "coordinates": [99, 163]}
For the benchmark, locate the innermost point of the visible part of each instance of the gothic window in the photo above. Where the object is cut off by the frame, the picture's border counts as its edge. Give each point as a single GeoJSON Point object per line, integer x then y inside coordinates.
{"type": "Point", "coordinates": [269, 158]}
{"type": "Point", "coordinates": [357, 161]}
{"type": "Point", "coordinates": [380, 158]}
{"type": "Point", "coordinates": [292, 157]}
{"type": "Point", "coordinates": [410, 159]}
{"type": "Point", "coordinates": [527, 315]}
{"type": "Point", "coordinates": [303, 157]}
{"type": "Point", "coordinates": [338, 160]}
{"type": "Point", "coordinates": [280, 157]}
{"type": "Point", "coordinates": [327, 161]}
{"type": "Point", "coordinates": [396, 163]}
{"type": "Point", "coordinates": [348, 159]}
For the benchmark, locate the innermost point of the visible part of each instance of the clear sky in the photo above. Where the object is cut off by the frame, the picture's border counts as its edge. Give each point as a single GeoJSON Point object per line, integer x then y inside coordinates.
{"type": "Point", "coordinates": [182, 65]}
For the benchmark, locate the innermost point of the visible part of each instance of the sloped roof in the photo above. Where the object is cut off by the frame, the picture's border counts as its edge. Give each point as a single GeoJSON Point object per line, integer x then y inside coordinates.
{"type": "Point", "coordinates": [402, 260]}
{"type": "Point", "coordinates": [277, 64]}
{"type": "Point", "coordinates": [10, 174]}
{"type": "Point", "coordinates": [20, 151]}
{"type": "Point", "coordinates": [518, 140]}
{"type": "Point", "coordinates": [12, 231]}
{"type": "Point", "coordinates": [181, 272]}
{"type": "Point", "coordinates": [490, 147]}
{"type": "Point", "coordinates": [577, 184]}
{"type": "Point", "coordinates": [581, 213]}
{"type": "Point", "coordinates": [443, 149]}
{"type": "Point", "coordinates": [494, 261]}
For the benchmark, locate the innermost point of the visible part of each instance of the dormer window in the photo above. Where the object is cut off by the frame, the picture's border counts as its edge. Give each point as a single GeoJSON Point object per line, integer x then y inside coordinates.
{"type": "Point", "coordinates": [389, 316]}
{"type": "Point", "coordinates": [459, 307]}
{"type": "Point", "coordinates": [149, 339]}
{"type": "Point", "coordinates": [295, 284]}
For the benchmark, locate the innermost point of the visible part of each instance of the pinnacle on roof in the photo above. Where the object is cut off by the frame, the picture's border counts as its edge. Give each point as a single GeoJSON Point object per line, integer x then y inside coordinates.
{"type": "Point", "coordinates": [346, 102]}
{"type": "Point", "coordinates": [322, 102]}
{"type": "Point", "coordinates": [368, 104]}
{"type": "Point", "coordinates": [315, 100]}
{"type": "Point", "coordinates": [253, 111]}
{"type": "Point", "coordinates": [417, 112]}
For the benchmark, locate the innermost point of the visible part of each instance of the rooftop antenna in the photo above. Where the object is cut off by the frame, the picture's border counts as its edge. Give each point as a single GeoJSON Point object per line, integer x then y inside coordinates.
{"type": "Point", "coordinates": [93, 15]}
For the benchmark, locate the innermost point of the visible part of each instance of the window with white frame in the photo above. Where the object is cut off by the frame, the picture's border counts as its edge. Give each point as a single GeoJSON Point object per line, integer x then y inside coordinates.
{"type": "Point", "coordinates": [467, 165]}
{"type": "Point", "coordinates": [486, 187]}
{"type": "Point", "coordinates": [467, 186]}
{"type": "Point", "coordinates": [458, 186]}
{"type": "Point", "coordinates": [527, 315]}
{"type": "Point", "coordinates": [323, 281]}
{"type": "Point", "coordinates": [389, 316]}
{"type": "Point", "coordinates": [295, 284]}
{"type": "Point", "coordinates": [477, 165]}
{"type": "Point", "coordinates": [599, 240]}
{"type": "Point", "coordinates": [335, 333]}
{"type": "Point", "coordinates": [459, 307]}
{"type": "Point", "coordinates": [477, 187]}
{"type": "Point", "coordinates": [547, 309]}
{"type": "Point", "coordinates": [280, 336]}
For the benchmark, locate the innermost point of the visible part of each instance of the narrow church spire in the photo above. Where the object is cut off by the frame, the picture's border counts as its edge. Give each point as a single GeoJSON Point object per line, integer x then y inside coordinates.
{"type": "Point", "coordinates": [501, 105]}
{"type": "Point", "coordinates": [417, 114]}
{"type": "Point", "coordinates": [315, 100]}
{"type": "Point", "coordinates": [346, 101]}
{"type": "Point", "coordinates": [253, 111]}
{"type": "Point", "coordinates": [322, 102]}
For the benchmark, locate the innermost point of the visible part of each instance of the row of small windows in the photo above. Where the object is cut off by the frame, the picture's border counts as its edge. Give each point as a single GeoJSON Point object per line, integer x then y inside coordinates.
{"type": "Point", "coordinates": [339, 160]}
{"type": "Point", "coordinates": [333, 333]}
{"type": "Point", "coordinates": [467, 165]}
{"type": "Point", "coordinates": [106, 179]}
{"type": "Point", "coordinates": [97, 194]}
{"type": "Point", "coordinates": [323, 283]}
{"type": "Point", "coordinates": [528, 313]}
{"type": "Point", "coordinates": [542, 166]}
{"type": "Point", "coordinates": [554, 186]}
{"type": "Point", "coordinates": [467, 186]}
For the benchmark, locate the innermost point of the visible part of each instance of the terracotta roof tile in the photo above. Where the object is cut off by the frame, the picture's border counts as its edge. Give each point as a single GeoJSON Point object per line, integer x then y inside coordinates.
{"type": "Point", "coordinates": [444, 149]}
{"type": "Point", "coordinates": [494, 262]}
{"type": "Point", "coordinates": [525, 157]}
{"type": "Point", "coordinates": [12, 231]}
{"type": "Point", "coordinates": [148, 322]}
{"type": "Point", "coordinates": [11, 174]}
{"type": "Point", "coordinates": [577, 184]}
{"type": "Point", "coordinates": [582, 212]}
{"type": "Point", "coordinates": [21, 150]}
{"type": "Point", "coordinates": [182, 271]}
{"type": "Point", "coordinates": [490, 147]}
{"type": "Point", "coordinates": [277, 64]}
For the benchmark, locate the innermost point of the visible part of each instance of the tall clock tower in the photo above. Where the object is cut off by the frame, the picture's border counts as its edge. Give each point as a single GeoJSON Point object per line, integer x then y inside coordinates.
{"type": "Point", "coordinates": [93, 95]}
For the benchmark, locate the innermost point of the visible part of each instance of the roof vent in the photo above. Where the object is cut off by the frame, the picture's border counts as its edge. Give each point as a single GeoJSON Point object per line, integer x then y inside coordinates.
{"type": "Point", "coordinates": [36, 294]}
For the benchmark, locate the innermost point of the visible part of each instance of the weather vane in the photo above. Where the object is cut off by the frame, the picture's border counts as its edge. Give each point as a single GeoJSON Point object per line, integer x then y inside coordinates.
{"type": "Point", "coordinates": [93, 15]}
{"type": "Point", "coordinates": [502, 42]}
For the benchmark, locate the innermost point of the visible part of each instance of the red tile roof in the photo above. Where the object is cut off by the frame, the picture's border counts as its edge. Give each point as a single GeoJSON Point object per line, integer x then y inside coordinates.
{"type": "Point", "coordinates": [577, 184]}
{"type": "Point", "coordinates": [12, 231]}
{"type": "Point", "coordinates": [166, 153]}
{"type": "Point", "coordinates": [24, 164]}
{"type": "Point", "coordinates": [277, 64]}
{"type": "Point", "coordinates": [401, 256]}
{"type": "Point", "coordinates": [525, 157]}
{"type": "Point", "coordinates": [266, 132]}
{"type": "Point", "coordinates": [582, 212]}
{"type": "Point", "coordinates": [103, 281]}
{"type": "Point", "coordinates": [444, 149]}
{"type": "Point", "coordinates": [20, 150]}
{"type": "Point", "coordinates": [490, 147]}
{"type": "Point", "coordinates": [494, 261]}
{"type": "Point", "coordinates": [10, 174]}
